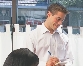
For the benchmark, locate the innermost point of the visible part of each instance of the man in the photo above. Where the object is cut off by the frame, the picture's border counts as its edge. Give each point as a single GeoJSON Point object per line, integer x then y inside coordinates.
{"type": "Point", "coordinates": [50, 44]}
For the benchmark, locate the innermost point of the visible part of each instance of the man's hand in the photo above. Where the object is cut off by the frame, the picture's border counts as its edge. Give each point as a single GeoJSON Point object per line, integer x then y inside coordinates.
{"type": "Point", "coordinates": [52, 61]}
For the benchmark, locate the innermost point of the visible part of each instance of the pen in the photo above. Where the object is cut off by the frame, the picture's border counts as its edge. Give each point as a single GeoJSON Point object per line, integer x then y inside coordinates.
{"type": "Point", "coordinates": [49, 52]}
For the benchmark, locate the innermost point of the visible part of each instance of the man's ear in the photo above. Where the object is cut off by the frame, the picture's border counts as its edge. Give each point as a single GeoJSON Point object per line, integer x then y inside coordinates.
{"type": "Point", "coordinates": [48, 14]}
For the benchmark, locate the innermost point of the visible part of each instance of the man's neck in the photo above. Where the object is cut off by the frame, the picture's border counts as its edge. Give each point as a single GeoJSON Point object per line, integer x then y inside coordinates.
{"type": "Point", "coordinates": [51, 31]}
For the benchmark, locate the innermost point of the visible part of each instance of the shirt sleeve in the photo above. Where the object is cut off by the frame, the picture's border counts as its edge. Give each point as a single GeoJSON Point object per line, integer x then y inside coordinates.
{"type": "Point", "coordinates": [68, 56]}
{"type": "Point", "coordinates": [68, 52]}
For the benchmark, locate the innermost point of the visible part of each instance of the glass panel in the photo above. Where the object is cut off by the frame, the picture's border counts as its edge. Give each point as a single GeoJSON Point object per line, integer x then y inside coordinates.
{"type": "Point", "coordinates": [31, 12]}
{"type": "Point", "coordinates": [75, 20]}
{"type": "Point", "coordinates": [31, 17]}
{"type": "Point", "coordinates": [5, 14]}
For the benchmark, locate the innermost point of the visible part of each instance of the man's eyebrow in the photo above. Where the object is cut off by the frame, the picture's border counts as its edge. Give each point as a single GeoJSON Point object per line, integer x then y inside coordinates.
{"type": "Point", "coordinates": [59, 17]}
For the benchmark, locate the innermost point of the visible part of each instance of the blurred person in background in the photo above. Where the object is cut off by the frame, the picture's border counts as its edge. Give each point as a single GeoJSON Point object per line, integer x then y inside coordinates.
{"type": "Point", "coordinates": [21, 57]}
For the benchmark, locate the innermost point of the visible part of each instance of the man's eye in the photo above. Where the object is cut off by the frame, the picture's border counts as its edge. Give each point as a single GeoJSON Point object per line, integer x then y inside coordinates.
{"type": "Point", "coordinates": [58, 19]}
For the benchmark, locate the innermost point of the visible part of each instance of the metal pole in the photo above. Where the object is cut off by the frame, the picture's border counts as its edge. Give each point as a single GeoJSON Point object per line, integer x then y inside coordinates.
{"type": "Point", "coordinates": [14, 17]}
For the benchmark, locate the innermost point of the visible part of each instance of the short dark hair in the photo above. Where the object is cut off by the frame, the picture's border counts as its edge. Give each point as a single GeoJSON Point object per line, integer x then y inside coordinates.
{"type": "Point", "coordinates": [21, 57]}
{"type": "Point", "coordinates": [55, 7]}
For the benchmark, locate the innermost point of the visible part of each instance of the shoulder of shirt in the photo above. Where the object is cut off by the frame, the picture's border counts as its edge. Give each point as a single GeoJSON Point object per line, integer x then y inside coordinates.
{"type": "Point", "coordinates": [36, 32]}
{"type": "Point", "coordinates": [63, 36]}
{"type": "Point", "coordinates": [41, 29]}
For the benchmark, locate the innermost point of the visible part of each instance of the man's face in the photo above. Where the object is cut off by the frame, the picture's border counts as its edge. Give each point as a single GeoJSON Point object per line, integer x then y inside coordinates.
{"type": "Point", "coordinates": [54, 21]}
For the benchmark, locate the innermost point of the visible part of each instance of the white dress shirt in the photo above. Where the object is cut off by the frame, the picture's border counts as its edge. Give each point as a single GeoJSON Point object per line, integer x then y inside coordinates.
{"type": "Point", "coordinates": [41, 41]}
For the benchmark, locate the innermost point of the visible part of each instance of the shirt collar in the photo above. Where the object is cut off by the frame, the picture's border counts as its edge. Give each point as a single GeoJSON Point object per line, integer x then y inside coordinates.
{"type": "Point", "coordinates": [44, 29]}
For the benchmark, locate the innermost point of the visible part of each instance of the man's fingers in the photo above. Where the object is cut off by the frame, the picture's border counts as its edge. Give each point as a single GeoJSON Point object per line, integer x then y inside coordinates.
{"type": "Point", "coordinates": [52, 61]}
